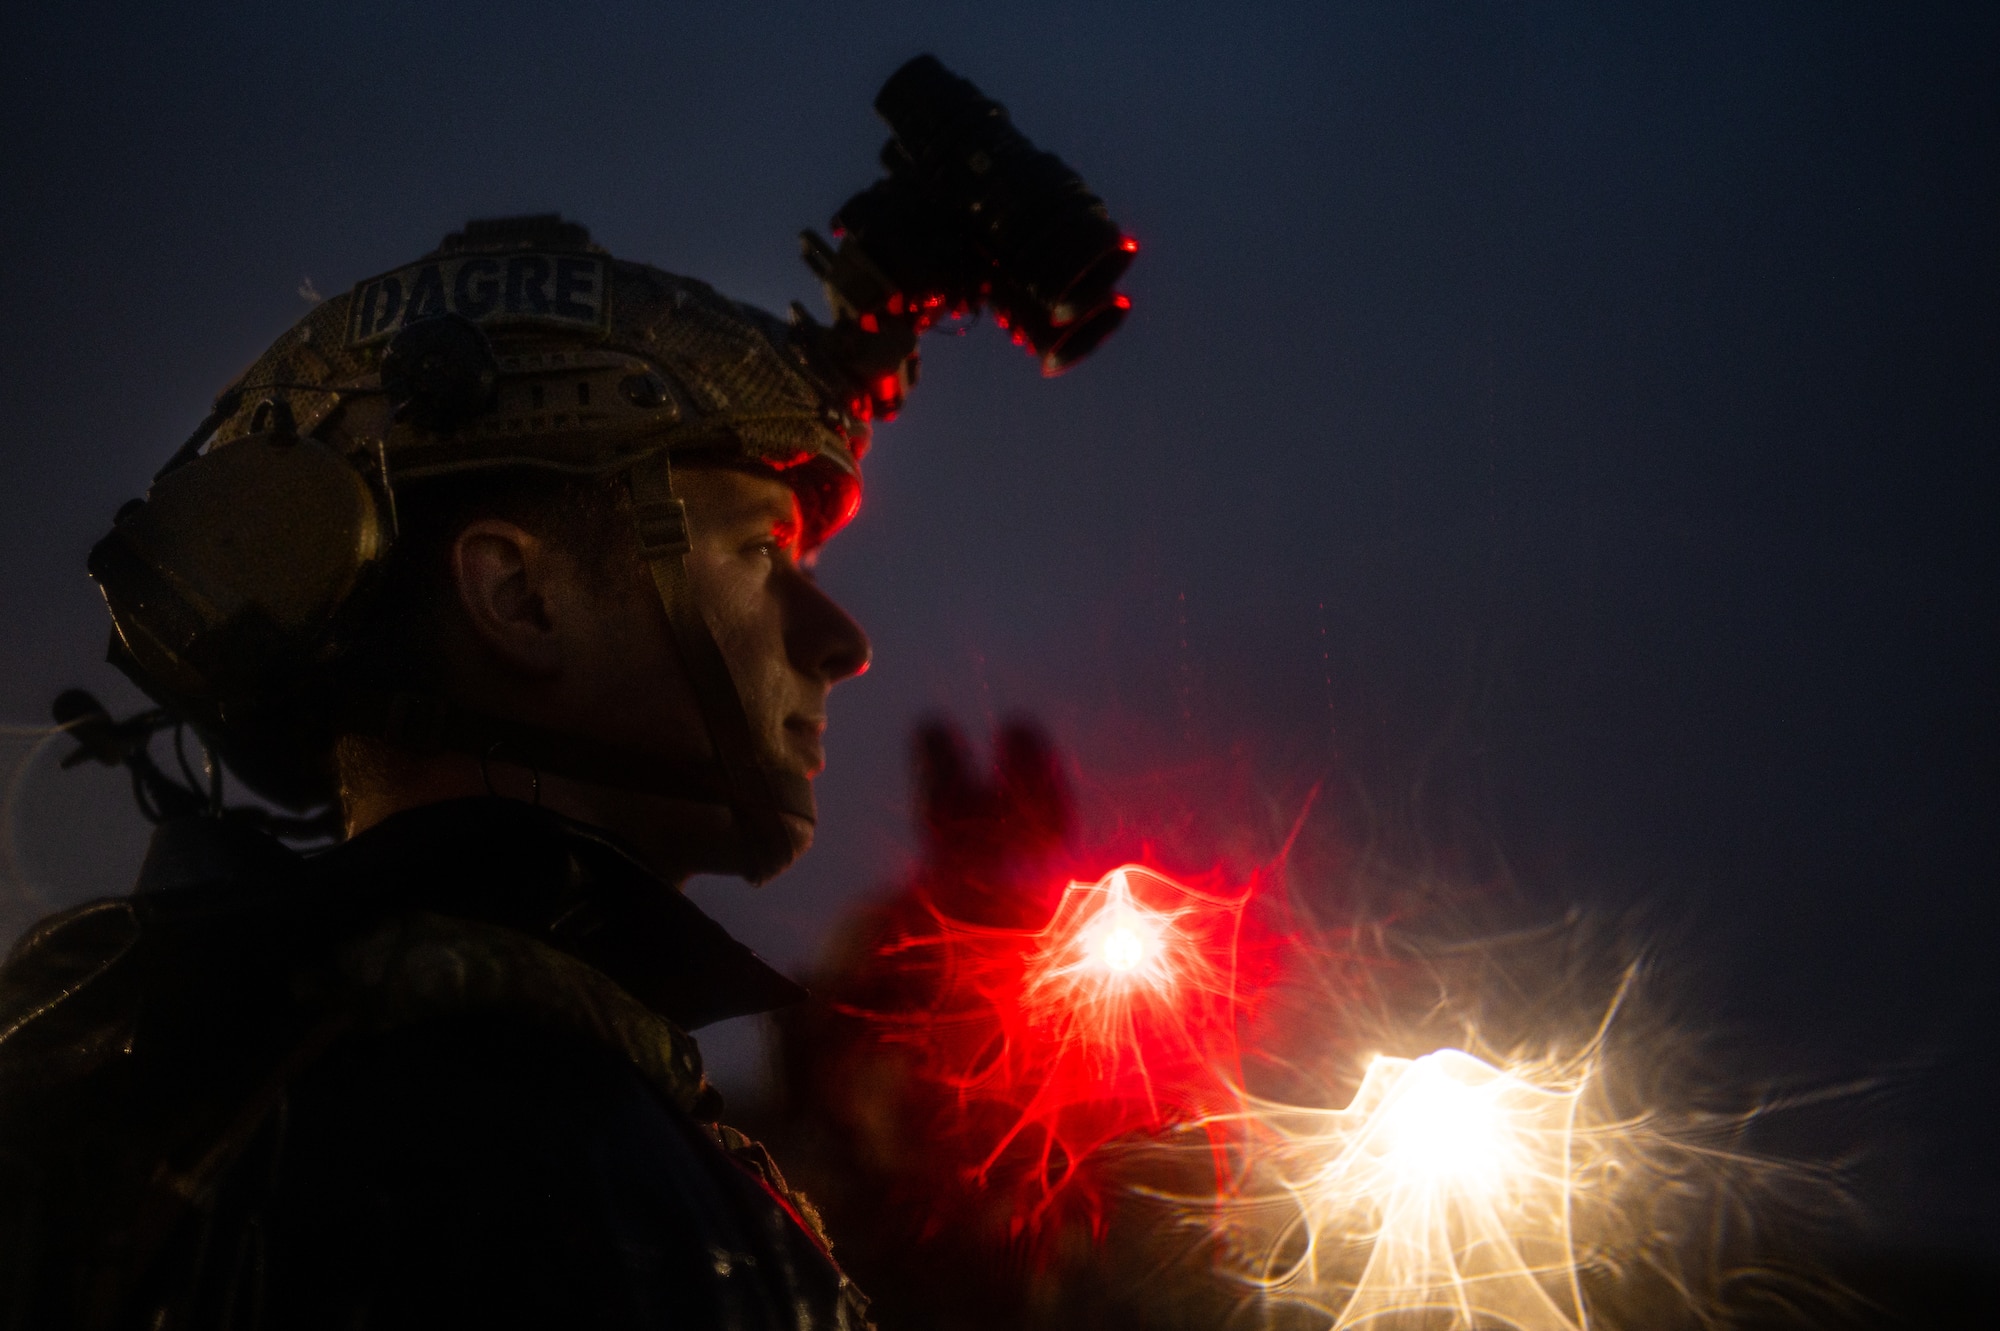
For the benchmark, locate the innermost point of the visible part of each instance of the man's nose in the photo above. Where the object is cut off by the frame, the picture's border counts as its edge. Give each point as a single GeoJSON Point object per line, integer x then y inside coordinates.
{"type": "Point", "coordinates": [823, 639]}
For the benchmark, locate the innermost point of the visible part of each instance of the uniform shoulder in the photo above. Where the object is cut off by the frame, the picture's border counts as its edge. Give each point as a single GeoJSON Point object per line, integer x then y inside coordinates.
{"type": "Point", "coordinates": [481, 1169]}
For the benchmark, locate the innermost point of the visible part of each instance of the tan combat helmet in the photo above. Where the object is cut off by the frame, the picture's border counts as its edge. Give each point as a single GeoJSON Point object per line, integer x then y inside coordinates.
{"type": "Point", "coordinates": [516, 343]}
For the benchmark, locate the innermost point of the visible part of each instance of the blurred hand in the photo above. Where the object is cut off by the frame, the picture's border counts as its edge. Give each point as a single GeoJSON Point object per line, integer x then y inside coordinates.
{"type": "Point", "coordinates": [991, 842]}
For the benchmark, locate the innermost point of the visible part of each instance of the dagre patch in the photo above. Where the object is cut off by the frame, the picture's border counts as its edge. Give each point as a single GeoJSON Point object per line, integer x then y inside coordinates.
{"type": "Point", "coordinates": [563, 289]}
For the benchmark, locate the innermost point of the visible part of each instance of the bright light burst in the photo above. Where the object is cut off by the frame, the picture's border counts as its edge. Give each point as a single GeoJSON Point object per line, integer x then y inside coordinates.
{"type": "Point", "coordinates": [1122, 1014]}
{"type": "Point", "coordinates": [1450, 1180]}
{"type": "Point", "coordinates": [1119, 1015]}
{"type": "Point", "coordinates": [1117, 981]}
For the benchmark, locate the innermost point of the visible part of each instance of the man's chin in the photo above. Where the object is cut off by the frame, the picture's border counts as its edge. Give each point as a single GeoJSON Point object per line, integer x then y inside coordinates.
{"type": "Point", "coordinates": [801, 832]}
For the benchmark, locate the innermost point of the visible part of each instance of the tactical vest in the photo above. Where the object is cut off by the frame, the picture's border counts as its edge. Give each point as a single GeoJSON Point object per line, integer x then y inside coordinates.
{"type": "Point", "coordinates": [147, 1042]}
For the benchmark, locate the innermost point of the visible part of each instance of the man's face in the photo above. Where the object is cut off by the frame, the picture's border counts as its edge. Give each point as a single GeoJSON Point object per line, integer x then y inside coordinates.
{"type": "Point", "coordinates": [786, 642]}
{"type": "Point", "coordinates": [585, 649]}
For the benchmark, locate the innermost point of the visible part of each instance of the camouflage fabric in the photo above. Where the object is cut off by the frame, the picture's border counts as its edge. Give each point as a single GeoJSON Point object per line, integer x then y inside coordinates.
{"type": "Point", "coordinates": [602, 361]}
{"type": "Point", "coordinates": [394, 1085]}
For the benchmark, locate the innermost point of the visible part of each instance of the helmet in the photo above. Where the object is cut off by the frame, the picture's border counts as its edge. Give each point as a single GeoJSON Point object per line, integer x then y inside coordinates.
{"type": "Point", "coordinates": [516, 343]}
{"type": "Point", "coordinates": [519, 342]}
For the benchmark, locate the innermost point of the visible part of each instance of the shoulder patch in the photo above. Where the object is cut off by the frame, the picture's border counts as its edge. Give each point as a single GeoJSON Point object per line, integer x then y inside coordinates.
{"type": "Point", "coordinates": [564, 290]}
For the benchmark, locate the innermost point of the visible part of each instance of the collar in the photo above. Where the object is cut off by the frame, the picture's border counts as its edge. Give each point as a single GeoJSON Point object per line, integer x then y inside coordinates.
{"type": "Point", "coordinates": [569, 885]}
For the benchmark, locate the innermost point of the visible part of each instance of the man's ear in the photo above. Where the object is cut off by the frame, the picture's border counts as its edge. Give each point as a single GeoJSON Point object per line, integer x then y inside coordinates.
{"type": "Point", "coordinates": [504, 575]}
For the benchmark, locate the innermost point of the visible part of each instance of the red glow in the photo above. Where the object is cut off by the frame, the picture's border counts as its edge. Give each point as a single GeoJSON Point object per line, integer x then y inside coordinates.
{"type": "Point", "coordinates": [1135, 971]}
{"type": "Point", "coordinates": [1118, 1016]}
{"type": "Point", "coordinates": [870, 324]}
{"type": "Point", "coordinates": [1122, 301]}
{"type": "Point", "coordinates": [1129, 245]}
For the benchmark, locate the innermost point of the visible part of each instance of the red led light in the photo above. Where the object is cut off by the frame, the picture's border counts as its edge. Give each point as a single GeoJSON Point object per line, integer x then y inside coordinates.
{"type": "Point", "coordinates": [1129, 245]}
{"type": "Point", "coordinates": [1117, 1016]}
{"type": "Point", "coordinates": [1122, 301]}
{"type": "Point", "coordinates": [870, 324]}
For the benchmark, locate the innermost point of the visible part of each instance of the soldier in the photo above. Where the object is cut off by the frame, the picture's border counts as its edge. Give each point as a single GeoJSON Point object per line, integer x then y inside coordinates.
{"type": "Point", "coordinates": [438, 1075]}
{"type": "Point", "coordinates": [503, 560]}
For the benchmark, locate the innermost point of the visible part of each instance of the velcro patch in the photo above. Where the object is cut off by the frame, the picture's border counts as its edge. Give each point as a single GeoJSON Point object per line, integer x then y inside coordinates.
{"type": "Point", "coordinates": [567, 290]}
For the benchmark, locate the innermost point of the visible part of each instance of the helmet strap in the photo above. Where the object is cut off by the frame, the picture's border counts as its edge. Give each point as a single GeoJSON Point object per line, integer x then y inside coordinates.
{"type": "Point", "coordinates": [756, 794]}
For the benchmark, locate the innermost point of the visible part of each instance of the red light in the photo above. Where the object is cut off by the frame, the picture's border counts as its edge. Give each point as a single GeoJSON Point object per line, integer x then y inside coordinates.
{"type": "Point", "coordinates": [895, 304]}
{"type": "Point", "coordinates": [869, 324]}
{"type": "Point", "coordinates": [1122, 301]}
{"type": "Point", "coordinates": [1129, 245]}
{"type": "Point", "coordinates": [1118, 1016]}
{"type": "Point", "coordinates": [886, 388]}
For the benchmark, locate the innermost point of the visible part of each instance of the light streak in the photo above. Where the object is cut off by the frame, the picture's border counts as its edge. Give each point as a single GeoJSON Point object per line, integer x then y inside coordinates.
{"type": "Point", "coordinates": [1546, 1184]}
{"type": "Point", "coordinates": [1122, 1014]}
{"type": "Point", "coordinates": [1119, 983]}
{"type": "Point", "coordinates": [1454, 1177]}
{"type": "Point", "coordinates": [1119, 1015]}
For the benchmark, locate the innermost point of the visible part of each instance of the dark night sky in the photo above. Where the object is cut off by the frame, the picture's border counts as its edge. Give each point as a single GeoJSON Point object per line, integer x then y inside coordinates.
{"type": "Point", "coordinates": [1588, 409]}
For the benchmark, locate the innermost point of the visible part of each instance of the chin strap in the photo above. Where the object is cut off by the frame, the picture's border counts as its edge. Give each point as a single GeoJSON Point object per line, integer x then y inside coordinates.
{"type": "Point", "coordinates": [755, 793]}
{"type": "Point", "coordinates": [431, 725]}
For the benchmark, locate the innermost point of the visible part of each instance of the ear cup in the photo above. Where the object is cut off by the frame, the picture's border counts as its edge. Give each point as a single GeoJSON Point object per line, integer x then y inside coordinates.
{"type": "Point", "coordinates": [234, 566]}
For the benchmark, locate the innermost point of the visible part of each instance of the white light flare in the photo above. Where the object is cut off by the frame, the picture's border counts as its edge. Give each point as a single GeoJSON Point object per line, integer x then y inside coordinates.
{"type": "Point", "coordinates": [1123, 940]}
{"type": "Point", "coordinates": [1454, 1178]}
{"type": "Point", "coordinates": [1111, 944]}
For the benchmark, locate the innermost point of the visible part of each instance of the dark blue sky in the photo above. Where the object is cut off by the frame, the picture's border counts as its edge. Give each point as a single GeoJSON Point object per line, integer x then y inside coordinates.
{"type": "Point", "coordinates": [1581, 416]}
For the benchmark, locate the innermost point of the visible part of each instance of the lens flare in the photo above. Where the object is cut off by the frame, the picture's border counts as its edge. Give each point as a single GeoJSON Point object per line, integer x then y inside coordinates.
{"type": "Point", "coordinates": [1113, 980]}
{"type": "Point", "coordinates": [1569, 1153]}
{"type": "Point", "coordinates": [1455, 1177]}
{"type": "Point", "coordinates": [1124, 949]}
{"type": "Point", "coordinates": [1120, 1015]}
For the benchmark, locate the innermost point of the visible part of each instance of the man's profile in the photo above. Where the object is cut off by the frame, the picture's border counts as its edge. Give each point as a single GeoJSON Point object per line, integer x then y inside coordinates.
{"type": "Point", "coordinates": [439, 1075]}
{"type": "Point", "coordinates": [501, 561]}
